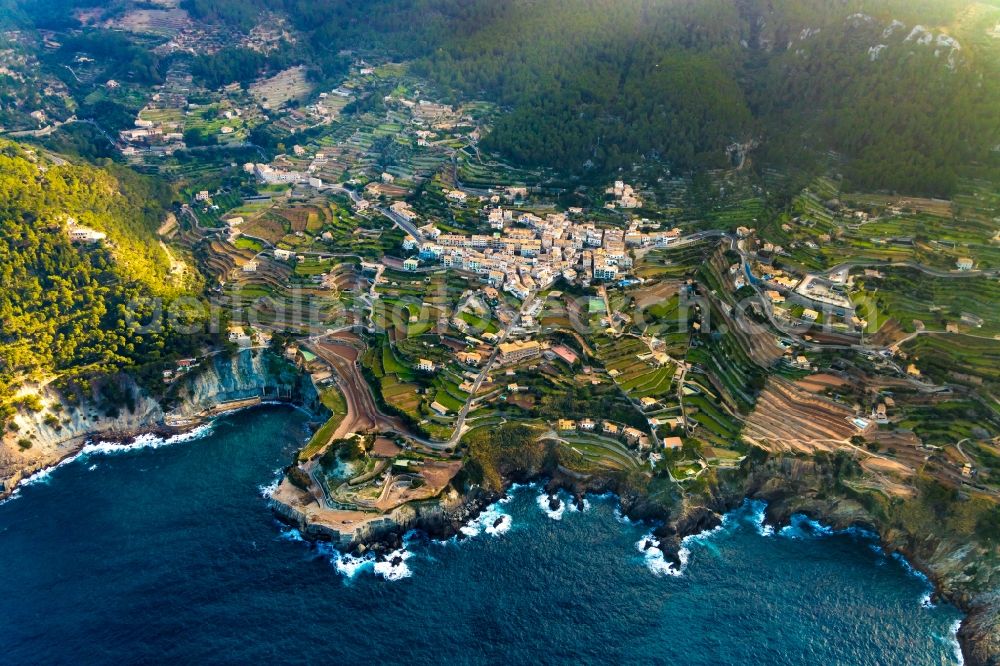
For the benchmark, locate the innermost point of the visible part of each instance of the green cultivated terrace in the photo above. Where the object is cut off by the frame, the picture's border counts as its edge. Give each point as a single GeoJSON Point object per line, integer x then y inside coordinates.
{"type": "Point", "coordinates": [685, 252]}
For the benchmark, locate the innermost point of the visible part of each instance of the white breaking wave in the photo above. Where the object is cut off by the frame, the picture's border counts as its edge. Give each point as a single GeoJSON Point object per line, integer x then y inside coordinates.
{"type": "Point", "coordinates": [757, 517]}
{"type": "Point", "coordinates": [656, 562]}
{"type": "Point", "coordinates": [290, 534]}
{"type": "Point", "coordinates": [751, 512]}
{"type": "Point", "coordinates": [146, 441]}
{"type": "Point", "coordinates": [955, 645]}
{"type": "Point", "coordinates": [492, 521]}
{"type": "Point", "coordinates": [705, 536]}
{"type": "Point", "coordinates": [659, 565]}
{"type": "Point", "coordinates": [622, 518]}
{"type": "Point", "coordinates": [506, 499]}
{"type": "Point", "coordinates": [919, 575]}
{"type": "Point", "coordinates": [926, 600]}
{"type": "Point", "coordinates": [500, 526]}
{"type": "Point", "coordinates": [394, 566]}
{"type": "Point", "coordinates": [349, 565]}
{"type": "Point", "coordinates": [801, 527]}
{"type": "Point", "coordinates": [267, 489]}
{"type": "Point", "coordinates": [543, 504]}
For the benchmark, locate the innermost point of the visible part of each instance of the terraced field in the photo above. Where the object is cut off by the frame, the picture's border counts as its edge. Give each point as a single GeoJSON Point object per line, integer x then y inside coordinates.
{"type": "Point", "coordinates": [950, 421]}
{"type": "Point", "coordinates": [599, 452]}
{"type": "Point", "coordinates": [906, 294]}
{"type": "Point", "coordinates": [636, 376]}
{"type": "Point", "coordinates": [788, 418]}
{"type": "Point", "coordinates": [412, 391]}
{"type": "Point", "coordinates": [929, 231]}
{"type": "Point", "coordinates": [474, 173]}
{"type": "Point", "coordinates": [673, 263]}
{"type": "Point", "coordinates": [940, 357]}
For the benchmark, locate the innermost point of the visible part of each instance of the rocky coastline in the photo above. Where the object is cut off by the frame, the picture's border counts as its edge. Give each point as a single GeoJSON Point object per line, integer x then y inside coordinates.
{"type": "Point", "coordinates": [788, 485]}
{"type": "Point", "coordinates": [784, 484]}
{"type": "Point", "coordinates": [225, 384]}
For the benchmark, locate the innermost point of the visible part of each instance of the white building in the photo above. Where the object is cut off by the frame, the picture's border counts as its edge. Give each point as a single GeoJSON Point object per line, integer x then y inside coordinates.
{"type": "Point", "coordinates": [79, 234]}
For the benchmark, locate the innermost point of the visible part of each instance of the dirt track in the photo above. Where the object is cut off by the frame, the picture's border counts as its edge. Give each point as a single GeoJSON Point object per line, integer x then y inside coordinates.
{"type": "Point", "coordinates": [362, 414]}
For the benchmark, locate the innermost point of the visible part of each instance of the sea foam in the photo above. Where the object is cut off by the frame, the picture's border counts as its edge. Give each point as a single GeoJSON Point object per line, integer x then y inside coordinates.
{"type": "Point", "coordinates": [758, 509]}
{"type": "Point", "coordinates": [803, 527]}
{"type": "Point", "coordinates": [394, 566]}
{"type": "Point", "coordinates": [145, 441]}
{"type": "Point", "coordinates": [349, 565]}
{"type": "Point", "coordinates": [268, 489]}
{"type": "Point", "coordinates": [543, 503]}
{"type": "Point", "coordinates": [290, 534]}
{"type": "Point", "coordinates": [493, 520]}
{"type": "Point", "coordinates": [955, 645]}
{"type": "Point", "coordinates": [656, 561]}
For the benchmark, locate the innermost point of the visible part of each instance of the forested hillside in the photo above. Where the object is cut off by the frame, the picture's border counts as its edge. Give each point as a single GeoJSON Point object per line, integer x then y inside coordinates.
{"type": "Point", "coordinates": [78, 309]}
{"type": "Point", "coordinates": [907, 90]}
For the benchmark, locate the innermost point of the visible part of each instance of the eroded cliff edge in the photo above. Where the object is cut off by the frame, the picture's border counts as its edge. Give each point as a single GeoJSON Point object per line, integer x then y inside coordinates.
{"type": "Point", "coordinates": [117, 408]}
{"type": "Point", "coordinates": [938, 537]}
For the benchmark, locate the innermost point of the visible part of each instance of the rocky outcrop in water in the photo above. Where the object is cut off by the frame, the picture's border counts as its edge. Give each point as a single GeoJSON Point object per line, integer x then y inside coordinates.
{"type": "Point", "coordinates": [963, 569]}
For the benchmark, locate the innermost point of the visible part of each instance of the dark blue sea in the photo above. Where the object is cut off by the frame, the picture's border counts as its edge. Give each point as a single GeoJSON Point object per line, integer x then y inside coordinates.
{"type": "Point", "coordinates": [168, 553]}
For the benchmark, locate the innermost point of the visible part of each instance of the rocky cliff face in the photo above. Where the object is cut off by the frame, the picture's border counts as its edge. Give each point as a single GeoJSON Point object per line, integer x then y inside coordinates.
{"type": "Point", "coordinates": [962, 567]}
{"type": "Point", "coordinates": [61, 427]}
{"type": "Point", "coordinates": [247, 375]}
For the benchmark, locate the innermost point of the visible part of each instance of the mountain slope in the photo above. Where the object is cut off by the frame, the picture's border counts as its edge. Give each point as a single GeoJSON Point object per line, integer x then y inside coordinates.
{"type": "Point", "coordinates": [77, 309]}
{"type": "Point", "coordinates": [909, 92]}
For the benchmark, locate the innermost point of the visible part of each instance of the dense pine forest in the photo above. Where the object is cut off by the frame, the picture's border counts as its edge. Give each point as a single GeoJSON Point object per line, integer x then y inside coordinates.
{"type": "Point", "coordinates": [596, 85]}
{"type": "Point", "coordinates": [75, 310]}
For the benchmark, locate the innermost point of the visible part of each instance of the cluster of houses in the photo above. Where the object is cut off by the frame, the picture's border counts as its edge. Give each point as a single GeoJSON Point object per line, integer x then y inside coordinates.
{"type": "Point", "coordinates": [624, 195]}
{"type": "Point", "coordinates": [425, 113]}
{"type": "Point", "coordinates": [633, 436]}
{"type": "Point", "coordinates": [526, 252]}
{"type": "Point", "coordinates": [148, 133]}
{"type": "Point", "coordinates": [269, 175]}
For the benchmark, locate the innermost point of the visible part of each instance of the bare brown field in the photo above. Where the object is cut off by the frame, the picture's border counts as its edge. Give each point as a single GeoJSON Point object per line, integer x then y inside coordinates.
{"type": "Point", "coordinates": [789, 418]}
{"type": "Point", "coordinates": [889, 333]}
{"type": "Point", "coordinates": [819, 382]}
{"type": "Point", "coordinates": [281, 88]}
{"type": "Point", "coordinates": [266, 227]}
